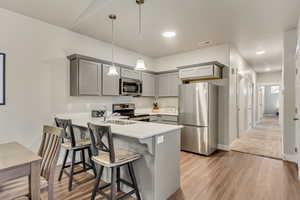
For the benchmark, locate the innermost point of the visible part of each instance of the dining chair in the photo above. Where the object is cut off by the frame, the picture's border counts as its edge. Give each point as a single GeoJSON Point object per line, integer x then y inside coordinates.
{"type": "Point", "coordinates": [49, 152]}
{"type": "Point", "coordinates": [72, 145]}
{"type": "Point", "coordinates": [105, 155]}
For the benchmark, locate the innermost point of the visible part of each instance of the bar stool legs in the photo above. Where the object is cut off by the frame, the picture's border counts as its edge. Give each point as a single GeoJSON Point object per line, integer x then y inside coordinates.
{"type": "Point", "coordinates": [86, 166]}
{"type": "Point", "coordinates": [133, 179]}
{"type": "Point", "coordinates": [115, 184]}
{"type": "Point", "coordinates": [63, 165]}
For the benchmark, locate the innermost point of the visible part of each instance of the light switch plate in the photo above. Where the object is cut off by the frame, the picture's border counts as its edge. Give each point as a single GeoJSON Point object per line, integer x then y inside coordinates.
{"type": "Point", "coordinates": [160, 139]}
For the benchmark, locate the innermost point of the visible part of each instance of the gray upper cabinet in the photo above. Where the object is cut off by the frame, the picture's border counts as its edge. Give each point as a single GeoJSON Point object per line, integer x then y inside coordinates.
{"type": "Point", "coordinates": [110, 84]}
{"type": "Point", "coordinates": [148, 85]}
{"type": "Point", "coordinates": [174, 82]}
{"type": "Point", "coordinates": [130, 73]}
{"type": "Point", "coordinates": [163, 85]}
{"type": "Point", "coordinates": [89, 75]}
{"type": "Point", "coordinates": [168, 84]}
{"type": "Point", "coordinates": [85, 78]}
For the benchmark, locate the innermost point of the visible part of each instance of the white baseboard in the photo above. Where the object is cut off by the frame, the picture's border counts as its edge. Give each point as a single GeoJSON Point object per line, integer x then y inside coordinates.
{"type": "Point", "coordinates": [291, 158]}
{"type": "Point", "coordinates": [223, 147]}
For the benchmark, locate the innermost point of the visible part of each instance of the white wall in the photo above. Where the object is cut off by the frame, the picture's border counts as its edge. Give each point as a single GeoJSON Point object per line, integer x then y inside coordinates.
{"type": "Point", "coordinates": [38, 75]}
{"type": "Point", "coordinates": [245, 71]}
{"type": "Point", "coordinates": [288, 88]}
{"type": "Point", "coordinates": [215, 53]}
{"type": "Point", "coordinates": [269, 78]}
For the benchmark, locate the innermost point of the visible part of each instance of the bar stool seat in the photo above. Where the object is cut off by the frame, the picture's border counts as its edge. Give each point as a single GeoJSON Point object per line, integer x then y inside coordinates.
{"type": "Point", "coordinates": [79, 144]}
{"type": "Point", "coordinates": [121, 157]}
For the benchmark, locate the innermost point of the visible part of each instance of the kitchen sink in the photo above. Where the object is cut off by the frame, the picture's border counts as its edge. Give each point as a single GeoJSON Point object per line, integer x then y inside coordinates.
{"type": "Point", "coordinates": [119, 122]}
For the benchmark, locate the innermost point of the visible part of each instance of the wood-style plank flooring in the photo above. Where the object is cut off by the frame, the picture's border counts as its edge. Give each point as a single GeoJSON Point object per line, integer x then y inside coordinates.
{"type": "Point", "coordinates": [264, 140]}
{"type": "Point", "coordinates": [236, 176]}
{"type": "Point", "coordinates": [222, 176]}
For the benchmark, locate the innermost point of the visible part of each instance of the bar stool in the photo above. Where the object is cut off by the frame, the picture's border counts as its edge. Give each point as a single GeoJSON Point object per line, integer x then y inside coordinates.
{"type": "Point", "coordinates": [106, 156]}
{"type": "Point", "coordinates": [72, 146]}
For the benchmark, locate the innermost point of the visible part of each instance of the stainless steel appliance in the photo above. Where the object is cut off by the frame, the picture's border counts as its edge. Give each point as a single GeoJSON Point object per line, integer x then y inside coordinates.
{"type": "Point", "coordinates": [130, 87]}
{"type": "Point", "coordinates": [198, 113]}
{"type": "Point", "coordinates": [129, 111]}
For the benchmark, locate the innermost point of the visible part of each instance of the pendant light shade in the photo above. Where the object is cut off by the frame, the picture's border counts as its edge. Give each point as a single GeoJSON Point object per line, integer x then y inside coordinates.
{"type": "Point", "coordinates": [140, 63]}
{"type": "Point", "coordinates": [112, 69]}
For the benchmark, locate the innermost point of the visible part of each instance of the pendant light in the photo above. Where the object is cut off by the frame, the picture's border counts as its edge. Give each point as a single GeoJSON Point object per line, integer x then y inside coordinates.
{"type": "Point", "coordinates": [112, 69]}
{"type": "Point", "coordinates": [140, 63]}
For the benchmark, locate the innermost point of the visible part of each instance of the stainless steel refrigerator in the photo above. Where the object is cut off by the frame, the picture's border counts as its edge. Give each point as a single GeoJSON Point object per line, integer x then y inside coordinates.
{"type": "Point", "coordinates": [198, 113]}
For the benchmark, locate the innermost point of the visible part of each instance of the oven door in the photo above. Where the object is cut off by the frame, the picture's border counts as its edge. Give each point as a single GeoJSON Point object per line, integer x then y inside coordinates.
{"type": "Point", "coordinates": [130, 87]}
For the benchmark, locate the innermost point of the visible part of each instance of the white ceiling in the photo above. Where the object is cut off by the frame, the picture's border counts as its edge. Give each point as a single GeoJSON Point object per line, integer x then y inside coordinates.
{"type": "Point", "coordinates": [251, 25]}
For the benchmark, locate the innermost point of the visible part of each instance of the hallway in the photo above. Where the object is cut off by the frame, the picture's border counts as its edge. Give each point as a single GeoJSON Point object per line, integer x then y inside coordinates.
{"type": "Point", "coordinates": [264, 140]}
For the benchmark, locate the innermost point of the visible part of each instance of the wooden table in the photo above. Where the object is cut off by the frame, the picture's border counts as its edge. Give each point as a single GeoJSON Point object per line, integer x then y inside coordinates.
{"type": "Point", "coordinates": [18, 161]}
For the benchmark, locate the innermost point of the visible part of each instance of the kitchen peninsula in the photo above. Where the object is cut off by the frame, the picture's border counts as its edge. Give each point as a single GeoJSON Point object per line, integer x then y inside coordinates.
{"type": "Point", "coordinates": [158, 172]}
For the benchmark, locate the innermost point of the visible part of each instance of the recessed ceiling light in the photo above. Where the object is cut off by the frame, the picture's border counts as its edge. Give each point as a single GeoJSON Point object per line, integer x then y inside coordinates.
{"type": "Point", "coordinates": [268, 69]}
{"type": "Point", "coordinates": [169, 34]}
{"type": "Point", "coordinates": [260, 52]}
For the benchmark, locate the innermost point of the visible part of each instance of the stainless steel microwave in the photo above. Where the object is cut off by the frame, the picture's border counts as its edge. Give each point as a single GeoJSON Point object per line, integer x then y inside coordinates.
{"type": "Point", "coordinates": [130, 87]}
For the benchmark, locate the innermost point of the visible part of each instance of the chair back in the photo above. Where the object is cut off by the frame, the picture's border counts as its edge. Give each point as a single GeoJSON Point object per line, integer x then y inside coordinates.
{"type": "Point", "coordinates": [68, 134]}
{"type": "Point", "coordinates": [49, 150]}
{"type": "Point", "coordinates": [99, 134]}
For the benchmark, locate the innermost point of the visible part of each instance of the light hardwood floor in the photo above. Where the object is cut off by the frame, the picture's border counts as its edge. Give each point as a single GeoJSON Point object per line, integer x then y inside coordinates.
{"type": "Point", "coordinates": [222, 176]}
{"type": "Point", "coordinates": [236, 176]}
{"type": "Point", "coordinates": [264, 140]}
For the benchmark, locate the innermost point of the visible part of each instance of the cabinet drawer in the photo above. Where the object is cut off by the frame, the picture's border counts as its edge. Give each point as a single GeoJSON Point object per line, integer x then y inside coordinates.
{"type": "Point", "coordinates": [169, 118]}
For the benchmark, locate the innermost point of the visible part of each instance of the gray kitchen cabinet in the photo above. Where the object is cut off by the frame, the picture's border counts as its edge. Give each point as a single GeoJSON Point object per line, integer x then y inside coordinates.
{"type": "Point", "coordinates": [85, 78]}
{"type": "Point", "coordinates": [148, 89]}
{"type": "Point", "coordinates": [173, 84]}
{"type": "Point", "coordinates": [110, 84]}
{"type": "Point", "coordinates": [168, 84]}
{"type": "Point", "coordinates": [164, 119]}
{"type": "Point", "coordinates": [163, 85]}
{"type": "Point", "coordinates": [130, 73]}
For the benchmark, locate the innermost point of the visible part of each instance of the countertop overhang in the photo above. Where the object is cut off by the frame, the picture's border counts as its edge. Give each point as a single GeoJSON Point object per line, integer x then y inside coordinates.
{"type": "Point", "coordinates": [138, 130]}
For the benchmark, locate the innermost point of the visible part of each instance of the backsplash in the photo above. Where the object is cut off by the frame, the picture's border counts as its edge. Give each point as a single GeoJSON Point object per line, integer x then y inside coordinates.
{"type": "Point", "coordinates": [168, 102]}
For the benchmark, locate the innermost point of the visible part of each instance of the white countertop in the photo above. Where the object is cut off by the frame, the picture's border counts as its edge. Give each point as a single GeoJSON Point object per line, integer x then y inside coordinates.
{"type": "Point", "coordinates": [161, 112]}
{"type": "Point", "coordinates": [139, 130]}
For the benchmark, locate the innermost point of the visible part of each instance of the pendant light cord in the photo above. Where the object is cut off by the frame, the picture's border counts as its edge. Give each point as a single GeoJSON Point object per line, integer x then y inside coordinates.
{"type": "Point", "coordinates": [112, 43]}
{"type": "Point", "coordinates": [140, 21]}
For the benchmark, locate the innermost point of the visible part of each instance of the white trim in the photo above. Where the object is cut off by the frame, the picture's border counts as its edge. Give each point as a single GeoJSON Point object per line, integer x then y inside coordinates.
{"type": "Point", "coordinates": [291, 158]}
{"type": "Point", "coordinates": [223, 147]}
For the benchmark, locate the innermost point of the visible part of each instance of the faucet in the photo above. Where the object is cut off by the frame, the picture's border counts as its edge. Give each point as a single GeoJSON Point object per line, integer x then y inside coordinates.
{"type": "Point", "coordinates": [111, 115]}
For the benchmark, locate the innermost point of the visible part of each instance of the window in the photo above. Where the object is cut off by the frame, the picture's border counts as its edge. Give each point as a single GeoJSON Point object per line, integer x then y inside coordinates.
{"type": "Point", "coordinates": [275, 89]}
{"type": "Point", "coordinates": [2, 78]}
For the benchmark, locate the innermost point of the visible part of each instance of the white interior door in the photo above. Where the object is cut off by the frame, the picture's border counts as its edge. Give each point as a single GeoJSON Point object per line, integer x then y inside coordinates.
{"type": "Point", "coordinates": [249, 104]}
{"type": "Point", "coordinates": [297, 113]}
{"type": "Point", "coordinates": [260, 103]}
{"type": "Point", "coordinates": [242, 105]}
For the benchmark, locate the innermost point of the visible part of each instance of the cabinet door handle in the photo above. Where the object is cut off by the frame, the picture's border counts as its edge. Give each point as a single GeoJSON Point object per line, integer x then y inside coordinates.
{"type": "Point", "coordinates": [296, 119]}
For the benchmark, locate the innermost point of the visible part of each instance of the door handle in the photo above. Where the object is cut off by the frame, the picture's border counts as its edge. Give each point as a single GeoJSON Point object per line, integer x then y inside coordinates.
{"type": "Point", "coordinates": [296, 119]}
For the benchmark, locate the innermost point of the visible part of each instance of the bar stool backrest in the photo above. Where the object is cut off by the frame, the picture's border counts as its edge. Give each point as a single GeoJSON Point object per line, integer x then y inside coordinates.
{"type": "Point", "coordinates": [66, 125]}
{"type": "Point", "coordinates": [98, 136]}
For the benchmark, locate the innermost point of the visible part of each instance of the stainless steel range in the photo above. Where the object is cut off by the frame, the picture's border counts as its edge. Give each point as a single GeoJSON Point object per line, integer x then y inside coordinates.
{"type": "Point", "coordinates": [129, 111]}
